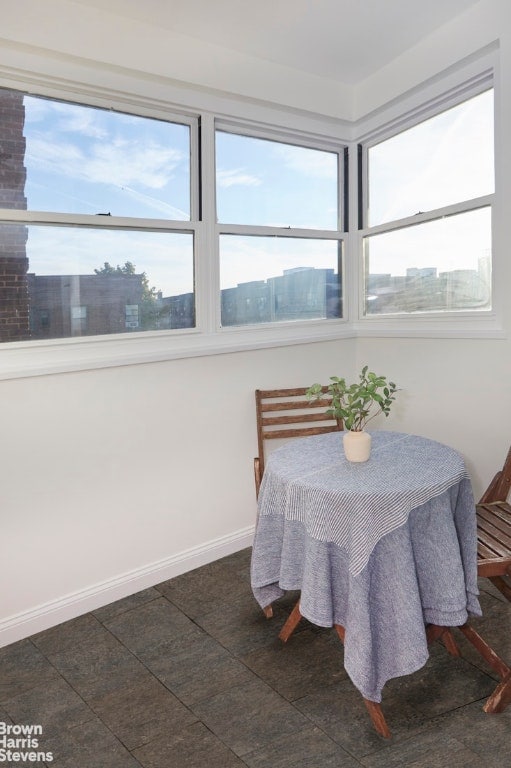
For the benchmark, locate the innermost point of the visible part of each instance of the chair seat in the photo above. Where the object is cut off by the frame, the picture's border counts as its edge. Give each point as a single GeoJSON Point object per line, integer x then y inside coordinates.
{"type": "Point", "coordinates": [494, 544]}
{"type": "Point", "coordinates": [493, 538]}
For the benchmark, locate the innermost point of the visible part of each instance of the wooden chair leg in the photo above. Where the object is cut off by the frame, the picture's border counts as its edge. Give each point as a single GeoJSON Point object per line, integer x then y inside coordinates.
{"type": "Point", "coordinates": [268, 611]}
{"type": "Point", "coordinates": [488, 654]}
{"type": "Point", "coordinates": [497, 702]}
{"type": "Point", "coordinates": [450, 643]}
{"type": "Point", "coordinates": [500, 697]}
{"type": "Point", "coordinates": [502, 586]}
{"type": "Point", "coordinates": [378, 718]}
{"type": "Point", "coordinates": [435, 632]}
{"type": "Point", "coordinates": [291, 624]}
{"type": "Point", "coordinates": [374, 709]}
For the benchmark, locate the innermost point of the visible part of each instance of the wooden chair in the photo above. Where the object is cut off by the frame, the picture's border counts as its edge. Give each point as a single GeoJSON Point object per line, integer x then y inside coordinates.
{"type": "Point", "coordinates": [494, 556]}
{"type": "Point", "coordinates": [283, 414]}
{"type": "Point", "coordinates": [286, 413]}
{"type": "Point", "coordinates": [494, 531]}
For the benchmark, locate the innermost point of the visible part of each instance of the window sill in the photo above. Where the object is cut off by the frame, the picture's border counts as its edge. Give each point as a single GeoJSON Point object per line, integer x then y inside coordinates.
{"type": "Point", "coordinates": [463, 325]}
{"type": "Point", "coordinates": [40, 358]}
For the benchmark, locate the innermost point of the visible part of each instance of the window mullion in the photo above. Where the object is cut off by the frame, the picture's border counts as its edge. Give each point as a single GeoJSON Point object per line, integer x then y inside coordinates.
{"type": "Point", "coordinates": [207, 281]}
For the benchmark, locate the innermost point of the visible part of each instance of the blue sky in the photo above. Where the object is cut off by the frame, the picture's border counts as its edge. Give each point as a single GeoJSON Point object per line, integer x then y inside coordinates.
{"type": "Point", "coordinates": [85, 160]}
{"type": "Point", "coordinates": [275, 184]}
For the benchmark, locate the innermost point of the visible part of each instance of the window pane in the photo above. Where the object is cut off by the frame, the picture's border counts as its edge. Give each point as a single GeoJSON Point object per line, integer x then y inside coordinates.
{"type": "Point", "coordinates": [86, 160]}
{"type": "Point", "coordinates": [441, 265]}
{"type": "Point", "coordinates": [444, 160]}
{"type": "Point", "coordinates": [262, 182]}
{"type": "Point", "coordinates": [74, 281]}
{"type": "Point", "coordinates": [267, 279]}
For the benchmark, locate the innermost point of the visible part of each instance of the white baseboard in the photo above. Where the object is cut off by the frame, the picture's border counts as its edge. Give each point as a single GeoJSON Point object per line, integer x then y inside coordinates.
{"type": "Point", "coordinates": [27, 623]}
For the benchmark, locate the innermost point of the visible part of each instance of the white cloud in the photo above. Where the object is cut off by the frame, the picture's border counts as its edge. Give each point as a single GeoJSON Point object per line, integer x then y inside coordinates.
{"type": "Point", "coordinates": [125, 162]}
{"type": "Point", "coordinates": [65, 117]}
{"type": "Point", "coordinates": [86, 122]}
{"type": "Point", "coordinates": [237, 177]}
{"type": "Point", "coordinates": [122, 163]}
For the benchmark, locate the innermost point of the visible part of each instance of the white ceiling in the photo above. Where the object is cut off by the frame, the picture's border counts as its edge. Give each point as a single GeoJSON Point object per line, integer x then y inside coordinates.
{"type": "Point", "coordinates": [345, 40]}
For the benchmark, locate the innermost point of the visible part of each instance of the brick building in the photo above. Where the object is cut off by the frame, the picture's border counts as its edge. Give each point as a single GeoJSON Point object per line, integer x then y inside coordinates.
{"type": "Point", "coordinates": [85, 305]}
{"type": "Point", "coordinates": [14, 302]}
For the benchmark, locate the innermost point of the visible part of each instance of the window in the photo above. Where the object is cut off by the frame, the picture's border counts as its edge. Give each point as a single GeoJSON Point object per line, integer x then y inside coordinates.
{"type": "Point", "coordinates": [78, 320]}
{"type": "Point", "coordinates": [71, 266]}
{"type": "Point", "coordinates": [109, 220]}
{"type": "Point", "coordinates": [427, 237]}
{"type": "Point", "coordinates": [132, 316]}
{"type": "Point", "coordinates": [153, 234]}
{"type": "Point", "coordinates": [280, 242]}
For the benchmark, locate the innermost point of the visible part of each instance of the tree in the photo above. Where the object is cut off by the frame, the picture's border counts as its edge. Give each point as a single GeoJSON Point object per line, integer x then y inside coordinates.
{"type": "Point", "coordinates": [107, 269]}
{"type": "Point", "coordinates": [149, 311]}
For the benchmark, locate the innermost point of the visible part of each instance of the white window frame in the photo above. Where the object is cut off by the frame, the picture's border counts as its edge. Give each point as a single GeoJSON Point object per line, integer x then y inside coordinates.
{"type": "Point", "coordinates": [80, 353]}
{"type": "Point", "coordinates": [29, 358]}
{"type": "Point", "coordinates": [129, 93]}
{"type": "Point", "coordinates": [339, 235]}
{"type": "Point", "coordinates": [457, 323]}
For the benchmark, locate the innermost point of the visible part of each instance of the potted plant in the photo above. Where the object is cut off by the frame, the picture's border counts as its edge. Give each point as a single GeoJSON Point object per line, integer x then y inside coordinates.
{"type": "Point", "coordinates": [356, 404]}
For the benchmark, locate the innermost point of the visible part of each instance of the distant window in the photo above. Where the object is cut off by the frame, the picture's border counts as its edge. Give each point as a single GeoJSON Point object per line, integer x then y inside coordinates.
{"type": "Point", "coordinates": [427, 244]}
{"type": "Point", "coordinates": [78, 320]}
{"type": "Point", "coordinates": [280, 235]}
{"type": "Point", "coordinates": [44, 318]}
{"type": "Point", "coordinates": [132, 316]}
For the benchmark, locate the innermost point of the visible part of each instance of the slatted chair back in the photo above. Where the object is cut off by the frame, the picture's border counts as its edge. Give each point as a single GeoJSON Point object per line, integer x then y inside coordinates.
{"type": "Point", "coordinates": [499, 488]}
{"type": "Point", "coordinates": [287, 413]}
{"type": "Point", "coordinates": [494, 531]}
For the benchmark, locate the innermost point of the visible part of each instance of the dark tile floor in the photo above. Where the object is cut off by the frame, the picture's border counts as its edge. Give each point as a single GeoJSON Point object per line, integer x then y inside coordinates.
{"type": "Point", "coordinates": [190, 673]}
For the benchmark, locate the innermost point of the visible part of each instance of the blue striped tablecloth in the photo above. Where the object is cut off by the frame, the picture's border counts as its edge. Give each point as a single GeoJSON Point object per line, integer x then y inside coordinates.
{"type": "Point", "coordinates": [380, 547]}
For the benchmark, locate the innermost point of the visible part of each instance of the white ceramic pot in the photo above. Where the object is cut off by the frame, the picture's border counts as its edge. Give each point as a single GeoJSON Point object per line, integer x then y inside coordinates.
{"type": "Point", "coordinates": [357, 445]}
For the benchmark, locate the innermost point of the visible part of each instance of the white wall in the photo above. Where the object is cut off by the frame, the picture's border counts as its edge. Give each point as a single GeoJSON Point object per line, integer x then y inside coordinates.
{"type": "Point", "coordinates": [115, 479]}
{"type": "Point", "coordinates": [447, 385]}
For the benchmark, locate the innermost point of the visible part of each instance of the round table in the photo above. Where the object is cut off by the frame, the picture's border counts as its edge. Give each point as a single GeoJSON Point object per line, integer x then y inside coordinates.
{"type": "Point", "coordinates": [381, 548]}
